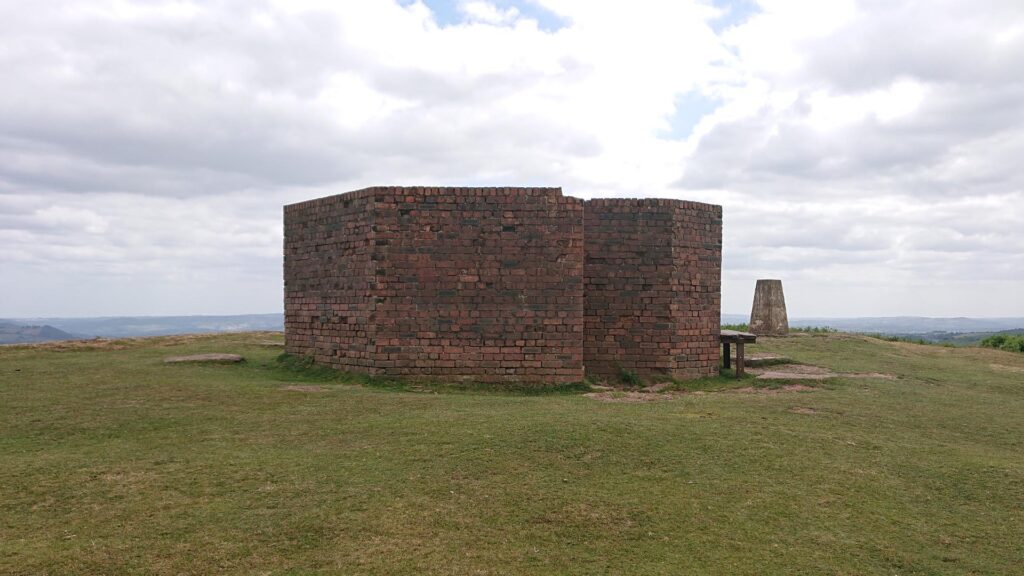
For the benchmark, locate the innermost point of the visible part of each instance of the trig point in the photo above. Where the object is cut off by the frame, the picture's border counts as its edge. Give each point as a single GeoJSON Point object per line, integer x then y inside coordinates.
{"type": "Point", "coordinates": [768, 316]}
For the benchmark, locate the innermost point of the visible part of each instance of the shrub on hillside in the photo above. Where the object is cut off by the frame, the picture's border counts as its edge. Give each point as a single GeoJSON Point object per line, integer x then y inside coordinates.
{"type": "Point", "coordinates": [806, 329]}
{"type": "Point", "coordinates": [738, 327]}
{"type": "Point", "coordinates": [1006, 342]}
{"type": "Point", "coordinates": [813, 329]}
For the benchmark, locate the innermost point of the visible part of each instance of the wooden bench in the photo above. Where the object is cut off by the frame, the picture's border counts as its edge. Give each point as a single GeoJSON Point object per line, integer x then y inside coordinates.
{"type": "Point", "coordinates": [739, 339]}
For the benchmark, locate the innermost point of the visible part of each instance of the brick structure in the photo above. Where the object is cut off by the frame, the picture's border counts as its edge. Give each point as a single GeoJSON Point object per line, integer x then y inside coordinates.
{"type": "Point", "coordinates": [502, 284]}
{"type": "Point", "coordinates": [652, 284]}
{"type": "Point", "coordinates": [477, 283]}
{"type": "Point", "coordinates": [330, 273]}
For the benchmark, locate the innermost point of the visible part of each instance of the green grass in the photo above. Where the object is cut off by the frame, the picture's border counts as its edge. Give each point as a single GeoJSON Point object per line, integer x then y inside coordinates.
{"type": "Point", "coordinates": [112, 462]}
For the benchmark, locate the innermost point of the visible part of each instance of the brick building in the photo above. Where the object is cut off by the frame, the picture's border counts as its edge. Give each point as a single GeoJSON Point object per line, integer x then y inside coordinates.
{"type": "Point", "coordinates": [502, 284]}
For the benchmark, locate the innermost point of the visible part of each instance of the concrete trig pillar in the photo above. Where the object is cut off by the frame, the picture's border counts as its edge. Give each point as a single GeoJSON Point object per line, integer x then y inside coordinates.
{"type": "Point", "coordinates": [768, 316]}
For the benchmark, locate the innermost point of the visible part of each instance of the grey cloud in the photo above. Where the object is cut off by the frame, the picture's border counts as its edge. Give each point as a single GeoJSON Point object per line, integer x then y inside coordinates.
{"type": "Point", "coordinates": [960, 141]}
{"type": "Point", "coordinates": [170, 118]}
{"type": "Point", "coordinates": [215, 103]}
{"type": "Point", "coordinates": [940, 41]}
{"type": "Point", "coordinates": [157, 151]}
{"type": "Point", "coordinates": [905, 155]}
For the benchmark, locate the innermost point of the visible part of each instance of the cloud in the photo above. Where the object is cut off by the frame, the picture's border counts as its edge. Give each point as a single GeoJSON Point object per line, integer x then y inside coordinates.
{"type": "Point", "coordinates": [479, 11]}
{"type": "Point", "coordinates": [855, 153]}
{"type": "Point", "coordinates": [152, 144]}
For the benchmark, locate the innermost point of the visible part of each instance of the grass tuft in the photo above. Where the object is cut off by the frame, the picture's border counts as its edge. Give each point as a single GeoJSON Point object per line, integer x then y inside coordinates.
{"type": "Point", "coordinates": [630, 377]}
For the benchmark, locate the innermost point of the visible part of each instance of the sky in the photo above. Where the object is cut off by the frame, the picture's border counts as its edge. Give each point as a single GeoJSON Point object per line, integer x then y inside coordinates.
{"type": "Point", "coordinates": [868, 153]}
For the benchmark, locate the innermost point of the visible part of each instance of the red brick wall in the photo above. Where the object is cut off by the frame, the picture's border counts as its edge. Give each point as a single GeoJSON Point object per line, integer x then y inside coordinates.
{"type": "Point", "coordinates": [329, 280]}
{"type": "Point", "coordinates": [481, 283]}
{"type": "Point", "coordinates": [488, 284]}
{"type": "Point", "coordinates": [652, 283]}
{"type": "Point", "coordinates": [475, 283]}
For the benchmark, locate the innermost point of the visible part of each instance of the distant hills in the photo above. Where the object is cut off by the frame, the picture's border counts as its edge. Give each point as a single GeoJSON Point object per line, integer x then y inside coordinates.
{"type": "Point", "coordinates": [11, 333]}
{"type": "Point", "coordinates": [28, 330]}
{"type": "Point", "coordinates": [911, 324]}
{"type": "Point", "coordinates": [899, 325]}
{"type": "Point", "coordinates": [962, 338]}
{"type": "Point", "coordinates": [132, 326]}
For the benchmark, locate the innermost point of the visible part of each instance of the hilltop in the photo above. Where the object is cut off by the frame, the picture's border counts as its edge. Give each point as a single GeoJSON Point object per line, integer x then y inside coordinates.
{"type": "Point", "coordinates": [114, 462]}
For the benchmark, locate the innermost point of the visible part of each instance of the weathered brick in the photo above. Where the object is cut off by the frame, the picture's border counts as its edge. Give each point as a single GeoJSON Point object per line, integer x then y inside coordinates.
{"type": "Point", "coordinates": [449, 280]}
{"type": "Point", "coordinates": [653, 279]}
{"type": "Point", "coordinates": [488, 284]}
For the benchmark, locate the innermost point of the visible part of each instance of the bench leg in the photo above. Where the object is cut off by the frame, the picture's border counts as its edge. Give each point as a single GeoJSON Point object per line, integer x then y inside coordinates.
{"type": "Point", "coordinates": [726, 353]}
{"type": "Point", "coordinates": [739, 359]}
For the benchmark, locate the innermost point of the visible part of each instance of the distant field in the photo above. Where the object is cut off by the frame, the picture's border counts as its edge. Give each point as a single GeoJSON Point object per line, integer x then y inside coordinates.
{"type": "Point", "coordinates": [112, 462]}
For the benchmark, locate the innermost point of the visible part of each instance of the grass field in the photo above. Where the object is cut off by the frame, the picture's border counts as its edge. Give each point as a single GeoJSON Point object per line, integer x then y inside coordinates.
{"type": "Point", "coordinates": [112, 462]}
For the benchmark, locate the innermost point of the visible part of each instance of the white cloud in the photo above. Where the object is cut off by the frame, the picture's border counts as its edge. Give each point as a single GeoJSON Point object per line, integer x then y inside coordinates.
{"type": "Point", "coordinates": [480, 11]}
{"type": "Point", "coordinates": [153, 143]}
{"type": "Point", "coordinates": [885, 105]}
{"type": "Point", "coordinates": [354, 104]}
{"type": "Point", "coordinates": [71, 219]}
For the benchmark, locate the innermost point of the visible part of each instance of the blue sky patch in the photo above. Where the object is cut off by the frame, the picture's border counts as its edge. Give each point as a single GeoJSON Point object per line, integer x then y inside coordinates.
{"type": "Point", "coordinates": [690, 108]}
{"type": "Point", "coordinates": [735, 13]}
{"type": "Point", "coordinates": [447, 12]}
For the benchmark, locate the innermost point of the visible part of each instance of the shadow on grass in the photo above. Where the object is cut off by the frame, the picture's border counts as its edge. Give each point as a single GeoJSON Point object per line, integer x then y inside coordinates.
{"type": "Point", "coordinates": [287, 367]}
{"type": "Point", "coordinates": [290, 367]}
{"type": "Point", "coordinates": [725, 380]}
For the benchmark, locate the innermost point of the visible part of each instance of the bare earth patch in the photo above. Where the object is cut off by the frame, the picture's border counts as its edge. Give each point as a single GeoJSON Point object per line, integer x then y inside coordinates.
{"type": "Point", "coordinates": [809, 372]}
{"type": "Point", "coordinates": [635, 396]}
{"type": "Point", "coordinates": [91, 344]}
{"type": "Point", "coordinates": [763, 356]}
{"type": "Point", "coordinates": [304, 388]}
{"type": "Point", "coordinates": [662, 390]}
{"type": "Point", "coordinates": [771, 391]}
{"type": "Point", "coordinates": [1005, 368]}
{"type": "Point", "coordinates": [793, 372]}
{"type": "Point", "coordinates": [764, 359]}
{"type": "Point", "coordinates": [802, 410]}
{"type": "Point", "coordinates": [875, 375]}
{"type": "Point", "coordinates": [629, 396]}
{"type": "Point", "coordinates": [214, 357]}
